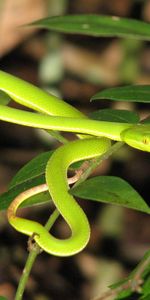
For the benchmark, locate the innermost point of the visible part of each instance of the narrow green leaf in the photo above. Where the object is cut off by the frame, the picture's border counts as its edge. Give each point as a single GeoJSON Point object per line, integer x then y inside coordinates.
{"type": "Point", "coordinates": [131, 93]}
{"type": "Point", "coordinates": [34, 170]}
{"type": "Point", "coordinates": [145, 297]}
{"type": "Point", "coordinates": [115, 115]}
{"type": "Point", "coordinates": [110, 189]}
{"type": "Point", "coordinates": [125, 293]}
{"type": "Point", "coordinates": [97, 25]}
{"type": "Point", "coordinates": [146, 288]}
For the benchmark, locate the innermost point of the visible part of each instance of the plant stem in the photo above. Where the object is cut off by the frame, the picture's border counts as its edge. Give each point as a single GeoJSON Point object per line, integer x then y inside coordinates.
{"type": "Point", "coordinates": [58, 136]}
{"type": "Point", "coordinates": [94, 163]}
{"type": "Point", "coordinates": [133, 282]}
{"type": "Point", "coordinates": [25, 274]}
{"type": "Point", "coordinates": [31, 258]}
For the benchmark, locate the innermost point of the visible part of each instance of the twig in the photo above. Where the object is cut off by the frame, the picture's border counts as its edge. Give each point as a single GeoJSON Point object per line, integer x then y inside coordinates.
{"type": "Point", "coordinates": [89, 166]}
{"type": "Point", "coordinates": [133, 283]}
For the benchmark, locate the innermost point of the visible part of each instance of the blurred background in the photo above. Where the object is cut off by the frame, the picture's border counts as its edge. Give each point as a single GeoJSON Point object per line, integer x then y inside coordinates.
{"type": "Point", "coordinates": [74, 67]}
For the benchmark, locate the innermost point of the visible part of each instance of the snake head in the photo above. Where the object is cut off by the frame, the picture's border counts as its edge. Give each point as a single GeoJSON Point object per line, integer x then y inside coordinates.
{"type": "Point", "coordinates": [137, 137]}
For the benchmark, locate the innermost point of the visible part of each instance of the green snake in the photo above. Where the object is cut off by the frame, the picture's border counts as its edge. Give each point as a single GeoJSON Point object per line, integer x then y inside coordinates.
{"type": "Point", "coordinates": [55, 114]}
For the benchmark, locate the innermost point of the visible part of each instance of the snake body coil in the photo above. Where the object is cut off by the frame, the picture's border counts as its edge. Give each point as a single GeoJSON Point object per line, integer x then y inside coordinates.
{"type": "Point", "coordinates": [55, 114]}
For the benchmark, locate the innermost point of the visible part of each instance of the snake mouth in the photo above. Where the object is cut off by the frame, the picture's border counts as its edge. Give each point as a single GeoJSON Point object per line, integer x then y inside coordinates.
{"type": "Point", "coordinates": [137, 137]}
{"type": "Point", "coordinates": [141, 145]}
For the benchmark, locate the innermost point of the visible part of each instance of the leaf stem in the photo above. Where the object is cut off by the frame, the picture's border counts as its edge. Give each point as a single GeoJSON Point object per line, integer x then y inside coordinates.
{"type": "Point", "coordinates": [25, 274]}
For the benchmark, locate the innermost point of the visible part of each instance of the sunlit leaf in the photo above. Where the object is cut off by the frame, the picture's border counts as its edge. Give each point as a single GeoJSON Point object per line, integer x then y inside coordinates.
{"type": "Point", "coordinates": [32, 170]}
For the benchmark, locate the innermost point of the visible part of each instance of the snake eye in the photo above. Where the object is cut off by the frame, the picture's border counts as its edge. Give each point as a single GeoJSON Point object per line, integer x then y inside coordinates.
{"type": "Point", "coordinates": [146, 141]}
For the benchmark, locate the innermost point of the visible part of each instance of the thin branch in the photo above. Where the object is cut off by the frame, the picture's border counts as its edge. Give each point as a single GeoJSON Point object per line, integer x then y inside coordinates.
{"type": "Point", "coordinates": [89, 166]}
{"type": "Point", "coordinates": [134, 282]}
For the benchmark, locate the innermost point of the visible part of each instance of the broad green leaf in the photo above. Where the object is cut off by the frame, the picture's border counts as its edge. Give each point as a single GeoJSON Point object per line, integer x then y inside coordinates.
{"type": "Point", "coordinates": [110, 189]}
{"type": "Point", "coordinates": [32, 174]}
{"type": "Point", "coordinates": [115, 115]}
{"type": "Point", "coordinates": [7, 197]}
{"type": "Point", "coordinates": [97, 25]}
{"type": "Point", "coordinates": [32, 170]}
{"type": "Point", "coordinates": [4, 98]}
{"type": "Point", "coordinates": [3, 298]}
{"type": "Point", "coordinates": [130, 93]}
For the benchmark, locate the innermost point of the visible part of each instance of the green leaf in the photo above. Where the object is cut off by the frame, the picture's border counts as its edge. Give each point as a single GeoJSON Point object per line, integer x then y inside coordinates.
{"type": "Point", "coordinates": [145, 297]}
{"type": "Point", "coordinates": [32, 174]}
{"type": "Point", "coordinates": [97, 25]}
{"type": "Point", "coordinates": [8, 197]}
{"type": "Point", "coordinates": [110, 189]}
{"type": "Point", "coordinates": [131, 93]}
{"type": "Point", "coordinates": [32, 170]}
{"type": "Point", "coordinates": [4, 98]}
{"type": "Point", "coordinates": [146, 288]}
{"type": "Point", "coordinates": [3, 298]}
{"type": "Point", "coordinates": [125, 293]}
{"type": "Point", "coordinates": [115, 115]}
